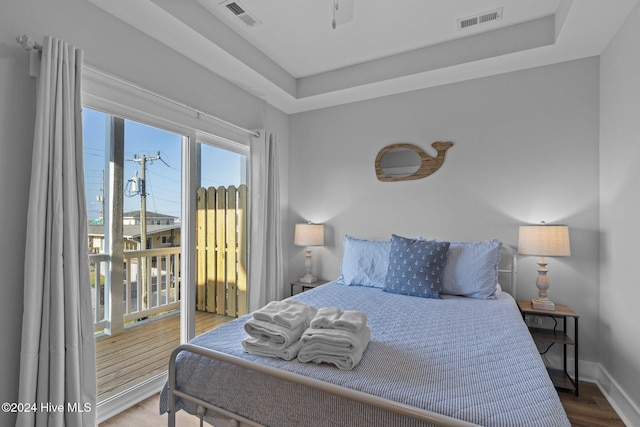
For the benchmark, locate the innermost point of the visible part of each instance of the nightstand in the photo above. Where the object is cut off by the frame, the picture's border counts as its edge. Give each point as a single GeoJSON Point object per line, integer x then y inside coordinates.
{"type": "Point", "coordinates": [306, 286]}
{"type": "Point", "coordinates": [560, 377]}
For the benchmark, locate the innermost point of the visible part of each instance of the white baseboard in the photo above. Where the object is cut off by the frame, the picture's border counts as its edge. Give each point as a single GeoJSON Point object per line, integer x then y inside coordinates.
{"type": "Point", "coordinates": [122, 401]}
{"type": "Point", "coordinates": [621, 402]}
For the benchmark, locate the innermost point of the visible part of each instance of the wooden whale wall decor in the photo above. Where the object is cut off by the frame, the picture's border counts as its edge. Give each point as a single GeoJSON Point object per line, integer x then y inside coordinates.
{"type": "Point", "coordinates": [417, 164]}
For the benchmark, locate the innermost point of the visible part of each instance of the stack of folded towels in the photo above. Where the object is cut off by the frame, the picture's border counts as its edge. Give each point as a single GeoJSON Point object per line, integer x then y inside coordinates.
{"type": "Point", "coordinates": [275, 329]}
{"type": "Point", "coordinates": [335, 336]}
{"type": "Point", "coordinates": [289, 328]}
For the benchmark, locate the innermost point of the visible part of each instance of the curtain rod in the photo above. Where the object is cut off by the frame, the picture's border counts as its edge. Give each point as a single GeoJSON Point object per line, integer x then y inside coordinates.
{"type": "Point", "coordinates": [29, 44]}
{"type": "Point", "coordinates": [172, 101]}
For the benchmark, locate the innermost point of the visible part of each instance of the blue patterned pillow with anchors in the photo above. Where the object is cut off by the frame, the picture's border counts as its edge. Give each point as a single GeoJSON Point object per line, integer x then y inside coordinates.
{"type": "Point", "coordinates": [416, 267]}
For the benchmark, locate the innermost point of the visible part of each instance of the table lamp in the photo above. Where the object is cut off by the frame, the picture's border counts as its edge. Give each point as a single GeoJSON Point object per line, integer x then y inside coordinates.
{"type": "Point", "coordinates": [308, 235]}
{"type": "Point", "coordinates": [543, 240]}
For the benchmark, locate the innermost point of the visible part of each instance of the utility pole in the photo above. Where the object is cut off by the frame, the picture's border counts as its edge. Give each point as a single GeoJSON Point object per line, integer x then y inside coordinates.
{"type": "Point", "coordinates": [142, 190]}
{"type": "Point", "coordinates": [101, 197]}
{"type": "Point", "coordinates": [142, 187]}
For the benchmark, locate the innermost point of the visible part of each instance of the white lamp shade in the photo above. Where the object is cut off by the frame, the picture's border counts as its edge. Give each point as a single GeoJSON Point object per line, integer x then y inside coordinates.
{"type": "Point", "coordinates": [544, 240]}
{"type": "Point", "coordinates": [309, 235]}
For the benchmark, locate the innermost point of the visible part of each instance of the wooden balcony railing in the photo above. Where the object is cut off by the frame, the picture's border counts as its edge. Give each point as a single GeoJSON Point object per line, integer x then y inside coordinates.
{"type": "Point", "coordinates": [98, 266]}
{"type": "Point", "coordinates": [152, 282]}
{"type": "Point", "coordinates": [151, 285]}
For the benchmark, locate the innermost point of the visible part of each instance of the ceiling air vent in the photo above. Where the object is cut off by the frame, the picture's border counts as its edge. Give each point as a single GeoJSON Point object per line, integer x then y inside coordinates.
{"type": "Point", "coordinates": [241, 12]}
{"type": "Point", "coordinates": [479, 19]}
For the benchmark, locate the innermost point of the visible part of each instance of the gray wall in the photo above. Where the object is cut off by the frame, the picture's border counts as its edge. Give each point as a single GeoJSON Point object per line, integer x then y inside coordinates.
{"type": "Point", "coordinates": [620, 209]}
{"type": "Point", "coordinates": [110, 46]}
{"type": "Point", "coordinates": [525, 150]}
{"type": "Point", "coordinates": [17, 113]}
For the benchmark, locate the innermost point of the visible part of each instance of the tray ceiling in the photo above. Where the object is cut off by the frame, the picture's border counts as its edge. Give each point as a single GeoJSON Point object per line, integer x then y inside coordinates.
{"type": "Point", "coordinates": [293, 58]}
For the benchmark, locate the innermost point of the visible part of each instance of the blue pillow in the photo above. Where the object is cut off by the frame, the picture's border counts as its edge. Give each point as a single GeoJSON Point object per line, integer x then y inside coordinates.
{"type": "Point", "coordinates": [364, 262]}
{"type": "Point", "coordinates": [472, 269]}
{"type": "Point", "coordinates": [416, 267]}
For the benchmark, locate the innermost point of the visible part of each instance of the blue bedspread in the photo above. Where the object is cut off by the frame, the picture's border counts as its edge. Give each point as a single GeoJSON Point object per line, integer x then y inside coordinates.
{"type": "Point", "coordinates": [466, 358]}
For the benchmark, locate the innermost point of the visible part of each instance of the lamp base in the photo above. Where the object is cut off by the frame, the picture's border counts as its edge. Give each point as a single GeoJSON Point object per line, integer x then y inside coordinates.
{"type": "Point", "coordinates": [543, 304]}
{"type": "Point", "coordinates": [307, 278]}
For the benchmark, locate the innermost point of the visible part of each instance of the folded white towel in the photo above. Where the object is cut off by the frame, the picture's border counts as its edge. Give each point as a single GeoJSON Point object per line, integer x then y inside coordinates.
{"type": "Point", "coordinates": [287, 313]}
{"type": "Point", "coordinates": [341, 348]}
{"type": "Point", "coordinates": [262, 347]}
{"type": "Point", "coordinates": [325, 317]}
{"type": "Point", "coordinates": [351, 321]}
{"type": "Point", "coordinates": [334, 318]}
{"type": "Point", "coordinates": [278, 336]}
{"type": "Point", "coordinates": [295, 314]}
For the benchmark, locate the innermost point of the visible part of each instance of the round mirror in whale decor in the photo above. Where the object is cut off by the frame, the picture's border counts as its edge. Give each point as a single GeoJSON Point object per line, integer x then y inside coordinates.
{"type": "Point", "coordinates": [402, 162]}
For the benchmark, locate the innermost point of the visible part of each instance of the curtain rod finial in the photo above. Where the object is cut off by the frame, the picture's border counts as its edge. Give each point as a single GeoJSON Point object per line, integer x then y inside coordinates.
{"type": "Point", "coordinates": [27, 43]}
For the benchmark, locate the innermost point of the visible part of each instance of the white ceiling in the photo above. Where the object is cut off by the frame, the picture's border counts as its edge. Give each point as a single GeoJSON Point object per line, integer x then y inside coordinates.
{"type": "Point", "coordinates": [297, 34]}
{"type": "Point", "coordinates": [296, 61]}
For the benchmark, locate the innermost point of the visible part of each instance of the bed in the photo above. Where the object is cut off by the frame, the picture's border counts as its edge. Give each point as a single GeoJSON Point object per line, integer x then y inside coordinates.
{"type": "Point", "coordinates": [452, 360]}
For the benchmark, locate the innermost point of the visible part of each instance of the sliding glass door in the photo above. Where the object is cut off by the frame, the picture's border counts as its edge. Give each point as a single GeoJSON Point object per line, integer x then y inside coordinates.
{"type": "Point", "coordinates": [138, 189]}
{"type": "Point", "coordinates": [133, 175]}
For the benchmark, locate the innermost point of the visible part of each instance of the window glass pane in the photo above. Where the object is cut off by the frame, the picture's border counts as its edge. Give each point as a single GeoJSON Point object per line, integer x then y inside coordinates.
{"type": "Point", "coordinates": [221, 231]}
{"type": "Point", "coordinates": [94, 134]}
{"type": "Point", "coordinates": [142, 166]}
{"type": "Point", "coordinates": [154, 154]}
{"type": "Point", "coordinates": [221, 167]}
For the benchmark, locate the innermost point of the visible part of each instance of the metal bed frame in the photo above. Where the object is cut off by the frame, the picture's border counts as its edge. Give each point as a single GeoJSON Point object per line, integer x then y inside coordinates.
{"type": "Point", "coordinates": [231, 419]}
{"type": "Point", "coordinates": [235, 420]}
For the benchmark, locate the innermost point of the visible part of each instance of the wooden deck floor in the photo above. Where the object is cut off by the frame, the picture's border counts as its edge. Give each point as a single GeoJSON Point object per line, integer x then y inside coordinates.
{"type": "Point", "coordinates": [142, 352]}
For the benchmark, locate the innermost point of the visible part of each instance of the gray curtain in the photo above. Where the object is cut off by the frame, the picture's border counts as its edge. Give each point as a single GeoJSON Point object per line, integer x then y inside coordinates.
{"type": "Point", "coordinates": [57, 360]}
{"type": "Point", "coordinates": [266, 251]}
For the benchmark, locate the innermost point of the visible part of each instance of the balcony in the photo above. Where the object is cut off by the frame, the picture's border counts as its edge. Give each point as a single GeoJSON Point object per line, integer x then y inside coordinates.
{"type": "Point", "coordinates": [148, 311]}
{"type": "Point", "coordinates": [151, 286]}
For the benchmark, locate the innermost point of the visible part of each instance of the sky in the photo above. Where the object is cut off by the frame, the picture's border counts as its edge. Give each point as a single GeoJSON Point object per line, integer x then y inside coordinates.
{"type": "Point", "coordinates": [163, 175]}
